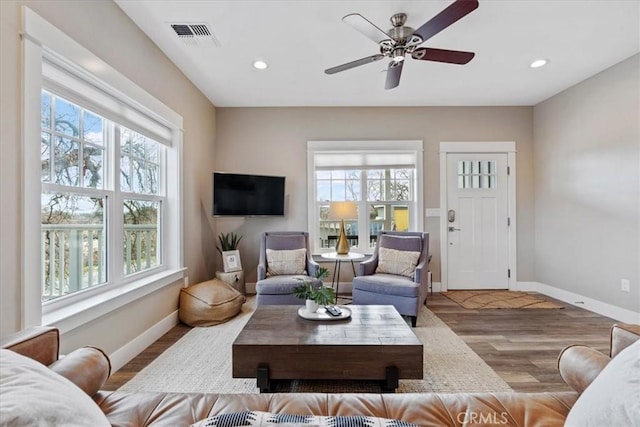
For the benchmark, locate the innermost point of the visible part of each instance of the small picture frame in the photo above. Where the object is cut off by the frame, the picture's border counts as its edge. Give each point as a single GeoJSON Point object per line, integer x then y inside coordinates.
{"type": "Point", "coordinates": [231, 261]}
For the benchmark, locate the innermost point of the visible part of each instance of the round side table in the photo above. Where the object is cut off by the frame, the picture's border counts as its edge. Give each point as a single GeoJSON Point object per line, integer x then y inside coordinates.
{"type": "Point", "coordinates": [338, 260]}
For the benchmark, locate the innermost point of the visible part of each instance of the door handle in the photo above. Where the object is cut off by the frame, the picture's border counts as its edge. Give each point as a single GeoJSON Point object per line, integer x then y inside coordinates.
{"type": "Point", "coordinates": [452, 228]}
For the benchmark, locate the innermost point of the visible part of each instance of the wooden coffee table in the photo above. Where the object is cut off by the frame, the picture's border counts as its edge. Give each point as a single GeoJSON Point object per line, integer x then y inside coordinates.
{"type": "Point", "coordinates": [375, 343]}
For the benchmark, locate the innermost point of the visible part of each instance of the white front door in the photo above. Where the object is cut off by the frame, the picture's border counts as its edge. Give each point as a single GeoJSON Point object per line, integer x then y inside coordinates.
{"type": "Point", "coordinates": [477, 221]}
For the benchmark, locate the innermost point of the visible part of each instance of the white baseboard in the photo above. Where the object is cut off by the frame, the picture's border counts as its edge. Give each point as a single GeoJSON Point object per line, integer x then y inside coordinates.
{"type": "Point", "coordinates": [124, 354]}
{"type": "Point", "coordinates": [527, 287]}
{"type": "Point", "coordinates": [602, 308]}
{"type": "Point", "coordinates": [436, 287]}
{"type": "Point", "coordinates": [250, 288]}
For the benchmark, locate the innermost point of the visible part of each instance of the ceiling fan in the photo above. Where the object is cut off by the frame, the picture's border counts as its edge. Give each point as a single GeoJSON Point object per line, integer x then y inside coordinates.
{"type": "Point", "coordinates": [402, 40]}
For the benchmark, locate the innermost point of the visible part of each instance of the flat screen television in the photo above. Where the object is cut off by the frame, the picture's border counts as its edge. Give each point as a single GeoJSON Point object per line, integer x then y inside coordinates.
{"type": "Point", "coordinates": [247, 195]}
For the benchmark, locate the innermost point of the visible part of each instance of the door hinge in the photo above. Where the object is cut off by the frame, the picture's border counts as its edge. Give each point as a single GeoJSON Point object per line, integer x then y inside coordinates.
{"type": "Point", "coordinates": [508, 170]}
{"type": "Point", "coordinates": [508, 221]}
{"type": "Point", "coordinates": [509, 273]}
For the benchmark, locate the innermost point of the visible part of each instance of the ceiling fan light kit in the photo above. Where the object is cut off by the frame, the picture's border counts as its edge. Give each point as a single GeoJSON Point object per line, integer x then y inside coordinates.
{"type": "Point", "coordinates": [401, 40]}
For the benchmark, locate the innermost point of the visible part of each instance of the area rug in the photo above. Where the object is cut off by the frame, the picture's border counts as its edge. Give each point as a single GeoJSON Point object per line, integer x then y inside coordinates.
{"type": "Point", "coordinates": [201, 362]}
{"type": "Point", "coordinates": [499, 299]}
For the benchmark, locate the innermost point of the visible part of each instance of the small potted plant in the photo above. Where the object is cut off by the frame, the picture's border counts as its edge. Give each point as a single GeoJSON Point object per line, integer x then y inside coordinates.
{"type": "Point", "coordinates": [228, 248]}
{"type": "Point", "coordinates": [228, 242]}
{"type": "Point", "coordinates": [315, 297]}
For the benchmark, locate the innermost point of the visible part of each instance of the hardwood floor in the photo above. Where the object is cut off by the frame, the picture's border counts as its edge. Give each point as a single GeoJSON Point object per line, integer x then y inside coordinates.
{"type": "Point", "coordinates": [522, 346]}
{"type": "Point", "coordinates": [128, 371]}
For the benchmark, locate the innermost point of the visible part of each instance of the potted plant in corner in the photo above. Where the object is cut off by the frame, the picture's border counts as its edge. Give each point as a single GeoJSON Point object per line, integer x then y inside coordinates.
{"type": "Point", "coordinates": [315, 297]}
{"type": "Point", "coordinates": [228, 248]}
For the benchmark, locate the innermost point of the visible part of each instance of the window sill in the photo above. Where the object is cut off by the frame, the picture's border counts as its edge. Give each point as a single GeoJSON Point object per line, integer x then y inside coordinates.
{"type": "Point", "coordinates": [75, 315]}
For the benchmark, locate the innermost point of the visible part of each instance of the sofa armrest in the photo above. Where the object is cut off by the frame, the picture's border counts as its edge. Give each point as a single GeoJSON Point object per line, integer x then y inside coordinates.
{"type": "Point", "coordinates": [622, 336]}
{"type": "Point", "coordinates": [312, 266]}
{"type": "Point", "coordinates": [40, 343]}
{"type": "Point", "coordinates": [579, 365]}
{"type": "Point", "coordinates": [368, 267]}
{"type": "Point", "coordinates": [87, 367]}
{"type": "Point", "coordinates": [262, 272]}
{"type": "Point", "coordinates": [422, 271]}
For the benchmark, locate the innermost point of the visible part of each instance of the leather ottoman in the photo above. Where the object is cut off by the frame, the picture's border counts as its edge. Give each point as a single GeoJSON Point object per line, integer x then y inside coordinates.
{"type": "Point", "coordinates": [209, 303]}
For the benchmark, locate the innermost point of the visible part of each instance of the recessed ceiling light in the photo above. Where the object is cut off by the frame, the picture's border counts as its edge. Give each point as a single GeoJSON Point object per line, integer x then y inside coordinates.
{"type": "Point", "coordinates": [260, 65]}
{"type": "Point", "coordinates": [539, 63]}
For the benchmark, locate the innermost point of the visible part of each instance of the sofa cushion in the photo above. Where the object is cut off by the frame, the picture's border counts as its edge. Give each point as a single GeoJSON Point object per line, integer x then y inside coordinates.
{"type": "Point", "coordinates": [393, 261]}
{"type": "Point", "coordinates": [285, 262]}
{"type": "Point", "coordinates": [32, 394]}
{"type": "Point", "coordinates": [285, 241]}
{"type": "Point", "coordinates": [258, 418]}
{"type": "Point", "coordinates": [613, 398]}
{"type": "Point", "coordinates": [387, 284]}
{"type": "Point", "coordinates": [400, 243]}
{"type": "Point", "coordinates": [209, 303]}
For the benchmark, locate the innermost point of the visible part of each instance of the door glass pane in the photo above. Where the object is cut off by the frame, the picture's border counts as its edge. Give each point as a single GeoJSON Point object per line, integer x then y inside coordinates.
{"type": "Point", "coordinates": [476, 174]}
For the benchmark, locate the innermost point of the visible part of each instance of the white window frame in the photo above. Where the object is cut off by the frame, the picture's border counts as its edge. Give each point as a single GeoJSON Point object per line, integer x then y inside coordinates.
{"type": "Point", "coordinates": [42, 44]}
{"type": "Point", "coordinates": [415, 147]}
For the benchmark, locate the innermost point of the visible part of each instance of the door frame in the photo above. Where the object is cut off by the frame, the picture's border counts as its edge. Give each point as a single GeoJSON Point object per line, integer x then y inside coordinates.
{"type": "Point", "coordinates": [506, 147]}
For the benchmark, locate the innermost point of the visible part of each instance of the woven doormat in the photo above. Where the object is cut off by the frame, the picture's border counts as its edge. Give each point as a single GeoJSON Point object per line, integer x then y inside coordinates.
{"type": "Point", "coordinates": [499, 299]}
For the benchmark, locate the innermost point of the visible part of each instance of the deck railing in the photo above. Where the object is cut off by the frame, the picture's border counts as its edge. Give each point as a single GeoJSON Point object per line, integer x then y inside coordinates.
{"type": "Point", "coordinates": [74, 255]}
{"type": "Point", "coordinates": [330, 230]}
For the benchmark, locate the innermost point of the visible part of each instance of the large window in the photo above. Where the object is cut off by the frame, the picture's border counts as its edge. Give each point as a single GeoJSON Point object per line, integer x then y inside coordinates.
{"type": "Point", "coordinates": [102, 208]}
{"type": "Point", "coordinates": [371, 185]}
{"type": "Point", "coordinates": [78, 149]}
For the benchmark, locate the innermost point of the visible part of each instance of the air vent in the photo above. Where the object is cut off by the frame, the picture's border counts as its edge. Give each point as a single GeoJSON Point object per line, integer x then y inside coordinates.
{"type": "Point", "coordinates": [197, 34]}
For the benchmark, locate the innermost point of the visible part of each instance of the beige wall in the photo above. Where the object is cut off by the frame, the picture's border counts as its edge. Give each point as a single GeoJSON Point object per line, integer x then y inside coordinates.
{"type": "Point", "coordinates": [273, 141]}
{"type": "Point", "coordinates": [587, 187]}
{"type": "Point", "coordinates": [103, 28]}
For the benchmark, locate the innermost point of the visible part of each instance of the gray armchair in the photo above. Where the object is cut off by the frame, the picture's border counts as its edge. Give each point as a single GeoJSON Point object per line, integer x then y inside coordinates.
{"type": "Point", "coordinates": [276, 287]}
{"type": "Point", "coordinates": [405, 290]}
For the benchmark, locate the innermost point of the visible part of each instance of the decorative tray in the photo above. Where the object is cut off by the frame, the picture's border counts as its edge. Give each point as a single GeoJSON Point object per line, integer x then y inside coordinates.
{"type": "Point", "coordinates": [322, 314]}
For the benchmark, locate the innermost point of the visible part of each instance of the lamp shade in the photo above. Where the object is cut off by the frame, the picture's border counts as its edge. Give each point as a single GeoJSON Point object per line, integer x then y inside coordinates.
{"type": "Point", "coordinates": [343, 210]}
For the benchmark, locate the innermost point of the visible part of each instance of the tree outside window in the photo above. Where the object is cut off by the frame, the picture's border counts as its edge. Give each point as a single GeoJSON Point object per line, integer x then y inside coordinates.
{"type": "Point", "coordinates": [78, 200]}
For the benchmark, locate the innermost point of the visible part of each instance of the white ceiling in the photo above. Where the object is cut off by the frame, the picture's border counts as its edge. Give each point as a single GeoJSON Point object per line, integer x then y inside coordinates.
{"type": "Point", "coordinates": [300, 39]}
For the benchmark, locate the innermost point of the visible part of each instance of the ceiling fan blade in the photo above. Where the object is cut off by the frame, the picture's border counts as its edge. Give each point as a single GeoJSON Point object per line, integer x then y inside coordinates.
{"type": "Point", "coordinates": [455, 11]}
{"type": "Point", "coordinates": [393, 74]}
{"type": "Point", "coordinates": [366, 27]}
{"type": "Point", "coordinates": [354, 64]}
{"type": "Point", "coordinates": [443, 55]}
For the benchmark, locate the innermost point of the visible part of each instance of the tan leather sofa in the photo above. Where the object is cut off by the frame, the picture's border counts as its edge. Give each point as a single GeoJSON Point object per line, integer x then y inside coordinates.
{"type": "Point", "coordinates": [89, 368]}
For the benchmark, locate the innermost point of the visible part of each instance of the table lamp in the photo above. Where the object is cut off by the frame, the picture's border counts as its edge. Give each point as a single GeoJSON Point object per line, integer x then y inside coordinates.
{"type": "Point", "coordinates": [342, 210]}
